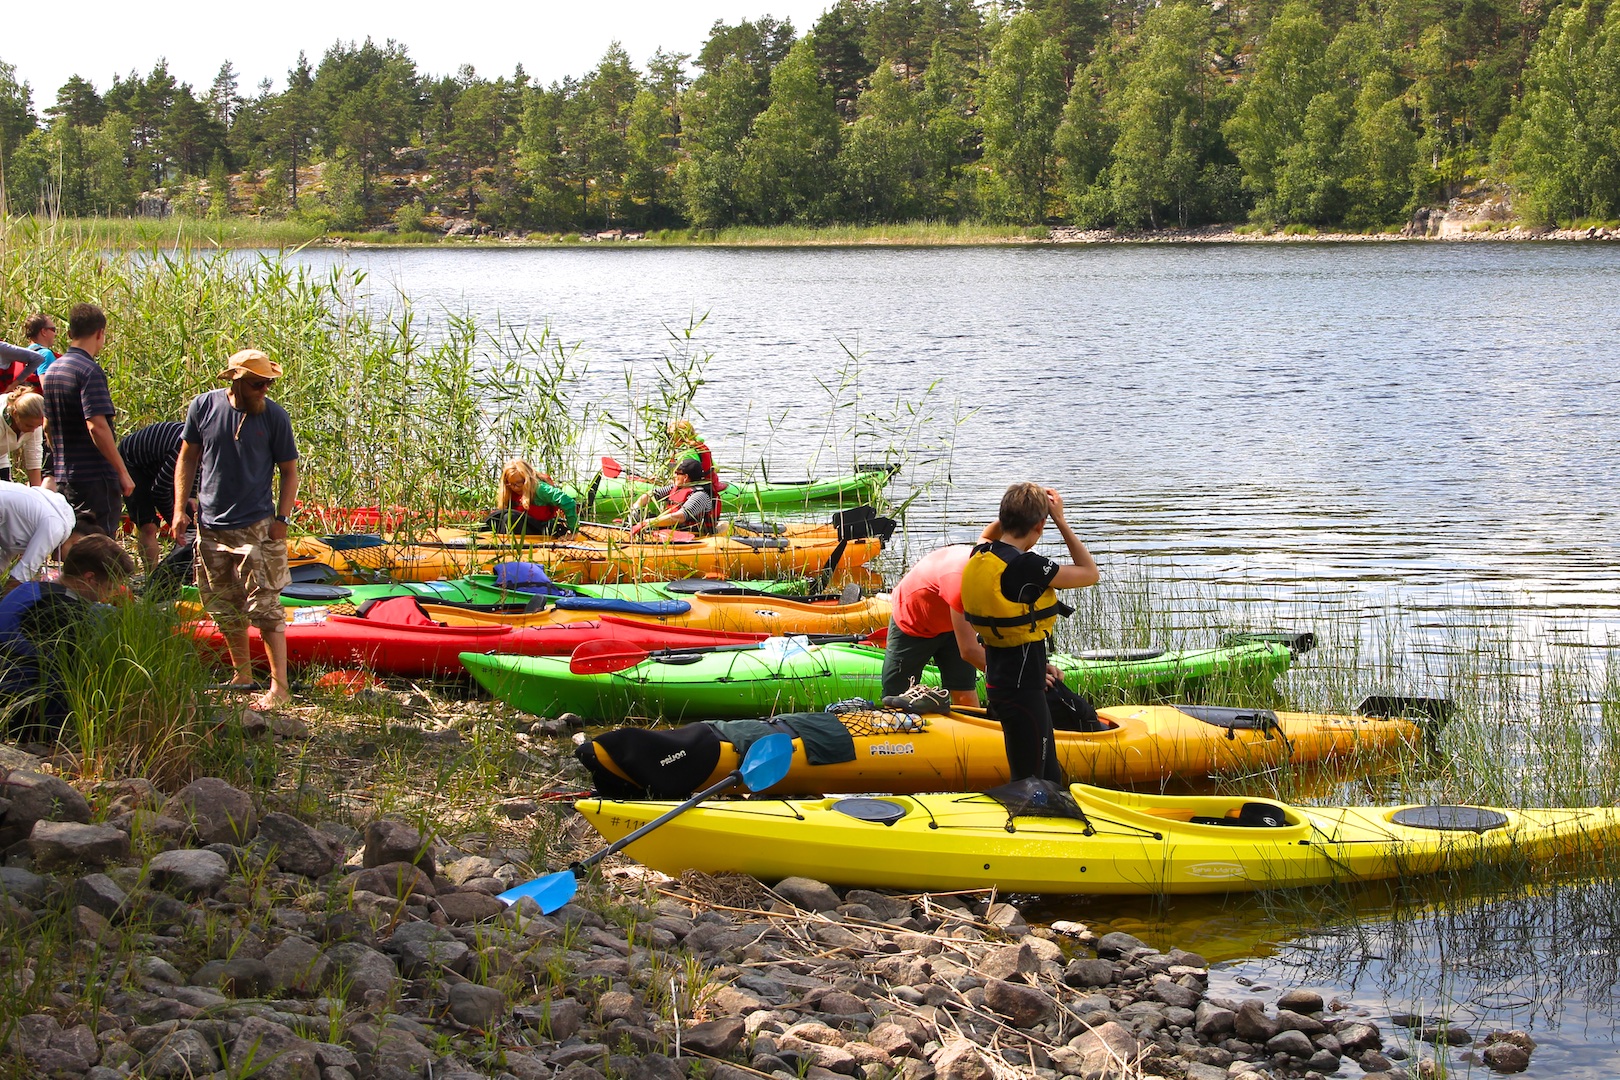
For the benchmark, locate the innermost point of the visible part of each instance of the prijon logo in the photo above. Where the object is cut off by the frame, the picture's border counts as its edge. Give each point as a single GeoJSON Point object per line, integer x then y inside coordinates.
{"type": "Point", "coordinates": [673, 758]}
{"type": "Point", "coordinates": [891, 748]}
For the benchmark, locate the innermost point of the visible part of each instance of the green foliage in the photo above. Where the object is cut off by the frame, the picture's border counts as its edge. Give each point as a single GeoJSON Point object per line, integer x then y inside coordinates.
{"type": "Point", "coordinates": [1564, 142]}
{"type": "Point", "coordinates": [887, 168]}
{"type": "Point", "coordinates": [1166, 118]}
{"type": "Point", "coordinates": [1094, 112]}
{"type": "Point", "coordinates": [1024, 99]}
{"type": "Point", "coordinates": [787, 172]}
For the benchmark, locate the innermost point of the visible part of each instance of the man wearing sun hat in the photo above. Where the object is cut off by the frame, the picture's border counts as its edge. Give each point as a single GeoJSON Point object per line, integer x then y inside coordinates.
{"type": "Point", "coordinates": [239, 437]}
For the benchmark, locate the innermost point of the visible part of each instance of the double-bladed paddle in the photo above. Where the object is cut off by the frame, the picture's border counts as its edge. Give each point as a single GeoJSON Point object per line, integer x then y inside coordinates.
{"type": "Point", "coordinates": [613, 470]}
{"type": "Point", "coordinates": [603, 656]}
{"type": "Point", "coordinates": [765, 764]}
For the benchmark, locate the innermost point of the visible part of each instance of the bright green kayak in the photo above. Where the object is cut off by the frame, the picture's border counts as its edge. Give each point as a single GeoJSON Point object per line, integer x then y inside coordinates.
{"type": "Point", "coordinates": [481, 589]}
{"type": "Point", "coordinates": [777, 679]}
{"type": "Point", "coordinates": [612, 496]}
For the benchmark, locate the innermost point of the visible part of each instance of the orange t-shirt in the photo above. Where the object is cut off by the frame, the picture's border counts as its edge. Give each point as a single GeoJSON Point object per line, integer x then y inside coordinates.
{"type": "Point", "coordinates": [930, 591]}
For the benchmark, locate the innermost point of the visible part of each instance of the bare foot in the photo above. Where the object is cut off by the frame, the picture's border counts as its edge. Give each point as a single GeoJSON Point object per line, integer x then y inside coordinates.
{"type": "Point", "coordinates": [270, 699]}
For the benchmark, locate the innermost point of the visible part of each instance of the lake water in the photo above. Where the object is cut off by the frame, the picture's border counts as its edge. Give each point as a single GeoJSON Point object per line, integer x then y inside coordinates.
{"type": "Point", "coordinates": [1320, 430]}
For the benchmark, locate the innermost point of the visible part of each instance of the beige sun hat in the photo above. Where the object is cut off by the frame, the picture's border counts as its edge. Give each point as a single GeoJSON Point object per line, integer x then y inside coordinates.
{"type": "Point", "coordinates": [250, 362]}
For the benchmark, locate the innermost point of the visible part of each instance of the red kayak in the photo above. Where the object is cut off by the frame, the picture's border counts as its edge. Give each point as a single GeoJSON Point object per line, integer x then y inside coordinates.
{"type": "Point", "coordinates": [398, 648]}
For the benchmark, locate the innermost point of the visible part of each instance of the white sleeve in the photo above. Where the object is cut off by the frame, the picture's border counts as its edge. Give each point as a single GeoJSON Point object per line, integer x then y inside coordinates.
{"type": "Point", "coordinates": [33, 449]}
{"type": "Point", "coordinates": [48, 536]}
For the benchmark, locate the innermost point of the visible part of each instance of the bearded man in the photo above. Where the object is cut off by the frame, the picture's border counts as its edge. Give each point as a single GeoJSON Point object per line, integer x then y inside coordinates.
{"type": "Point", "coordinates": [240, 437]}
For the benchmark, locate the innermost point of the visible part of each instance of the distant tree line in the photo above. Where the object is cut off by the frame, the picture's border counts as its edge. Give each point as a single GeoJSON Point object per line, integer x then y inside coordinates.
{"type": "Point", "coordinates": [1092, 112]}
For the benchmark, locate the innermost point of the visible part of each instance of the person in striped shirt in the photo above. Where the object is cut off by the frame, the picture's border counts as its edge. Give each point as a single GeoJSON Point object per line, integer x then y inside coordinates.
{"type": "Point", "coordinates": [150, 454]}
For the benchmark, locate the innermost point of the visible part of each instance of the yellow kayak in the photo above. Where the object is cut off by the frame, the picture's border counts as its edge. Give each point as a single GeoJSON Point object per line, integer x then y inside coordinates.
{"type": "Point", "coordinates": [1146, 744]}
{"type": "Point", "coordinates": [601, 554]}
{"type": "Point", "coordinates": [1112, 842]}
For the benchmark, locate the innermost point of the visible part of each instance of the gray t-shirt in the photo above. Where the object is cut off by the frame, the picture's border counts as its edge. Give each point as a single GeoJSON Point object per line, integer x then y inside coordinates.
{"type": "Point", "coordinates": [239, 457]}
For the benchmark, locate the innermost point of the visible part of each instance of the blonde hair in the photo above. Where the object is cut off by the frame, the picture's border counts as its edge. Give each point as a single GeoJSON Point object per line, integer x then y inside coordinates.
{"type": "Point", "coordinates": [25, 402]}
{"type": "Point", "coordinates": [513, 473]}
{"type": "Point", "coordinates": [1023, 507]}
{"type": "Point", "coordinates": [682, 431]}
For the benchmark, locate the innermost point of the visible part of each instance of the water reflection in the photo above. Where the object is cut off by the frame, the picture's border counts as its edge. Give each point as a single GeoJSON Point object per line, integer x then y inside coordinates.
{"type": "Point", "coordinates": [1519, 948]}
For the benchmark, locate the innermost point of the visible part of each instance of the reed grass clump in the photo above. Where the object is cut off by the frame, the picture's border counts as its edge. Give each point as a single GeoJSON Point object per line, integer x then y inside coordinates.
{"type": "Point", "coordinates": [125, 694]}
{"type": "Point", "coordinates": [388, 406]}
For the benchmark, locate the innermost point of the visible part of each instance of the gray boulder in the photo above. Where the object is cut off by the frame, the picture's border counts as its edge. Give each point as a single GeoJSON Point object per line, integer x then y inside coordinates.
{"type": "Point", "coordinates": [1024, 1005]}
{"type": "Point", "coordinates": [217, 812]}
{"type": "Point", "coordinates": [298, 965]}
{"type": "Point", "coordinates": [239, 977]}
{"type": "Point", "coordinates": [476, 1006]}
{"type": "Point", "coordinates": [297, 848]}
{"type": "Point", "coordinates": [807, 893]}
{"type": "Point", "coordinates": [358, 969]}
{"type": "Point", "coordinates": [100, 894]}
{"type": "Point", "coordinates": [62, 843]}
{"type": "Point", "coordinates": [270, 1051]}
{"type": "Point", "coordinates": [188, 872]}
{"type": "Point", "coordinates": [392, 841]}
{"type": "Point", "coordinates": [36, 797]}
{"type": "Point", "coordinates": [182, 1055]}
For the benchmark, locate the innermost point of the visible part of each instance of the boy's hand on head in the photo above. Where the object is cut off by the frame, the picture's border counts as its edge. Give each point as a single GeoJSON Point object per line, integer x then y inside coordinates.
{"type": "Point", "coordinates": [1055, 504]}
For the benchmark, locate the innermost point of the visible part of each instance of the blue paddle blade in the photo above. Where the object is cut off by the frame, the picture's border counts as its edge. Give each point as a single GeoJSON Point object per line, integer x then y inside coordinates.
{"type": "Point", "coordinates": [550, 892]}
{"type": "Point", "coordinates": [767, 761]}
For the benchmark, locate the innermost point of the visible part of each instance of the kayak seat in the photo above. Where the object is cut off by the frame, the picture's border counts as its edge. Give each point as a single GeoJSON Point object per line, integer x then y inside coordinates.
{"type": "Point", "coordinates": [678, 659]}
{"type": "Point", "coordinates": [704, 585]}
{"type": "Point", "coordinates": [530, 578]}
{"type": "Point", "coordinates": [762, 528]}
{"type": "Point", "coordinates": [877, 811]}
{"type": "Point", "coordinates": [1232, 719]}
{"type": "Point", "coordinates": [1120, 656]}
{"type": "Point", "coordinates": [313, 590]}
{"type": "Point", "coordinates": [398, 610]}
{"type": "Point", "coordinates": [657, 608]}
{"type": "Point", "coordinates": [1475, 819]}
{"type": "Point", "coordinates": [352, 541]}
{"type": "Point", "coordinates": [311, 572]}
{"type": "Point", "coordinates": [1251, 815]}
{"type": "Point", "coordinates": [763, 543]}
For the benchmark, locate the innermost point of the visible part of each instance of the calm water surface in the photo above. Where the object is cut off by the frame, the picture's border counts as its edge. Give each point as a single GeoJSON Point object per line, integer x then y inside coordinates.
{"type": "Point", "coordinates": [1319, 429]}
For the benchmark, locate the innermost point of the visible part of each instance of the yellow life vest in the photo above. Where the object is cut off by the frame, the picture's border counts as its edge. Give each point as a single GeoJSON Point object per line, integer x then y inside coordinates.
{"type": "Point", "coordinates": [1003, 622]}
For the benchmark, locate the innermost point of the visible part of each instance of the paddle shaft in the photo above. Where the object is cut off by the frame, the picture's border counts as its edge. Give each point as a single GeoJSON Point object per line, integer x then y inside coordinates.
{"type": "Point", "coordinates": [623, 842]}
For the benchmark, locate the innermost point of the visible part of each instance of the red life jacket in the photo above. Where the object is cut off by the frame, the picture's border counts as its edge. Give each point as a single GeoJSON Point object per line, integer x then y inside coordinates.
{"type": "Point", "coordinates": [542, 513]}
{"type": "Point", "coordinates": [677, 500]}
{"type": "Point", "coordinates": [18, 369]}
{"type": "Point", "coordinates": [706, 460]}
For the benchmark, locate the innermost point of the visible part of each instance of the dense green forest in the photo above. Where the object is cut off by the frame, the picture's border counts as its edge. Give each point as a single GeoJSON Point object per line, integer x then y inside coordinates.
{"type": "Point", "coordinates": [1091, 112]}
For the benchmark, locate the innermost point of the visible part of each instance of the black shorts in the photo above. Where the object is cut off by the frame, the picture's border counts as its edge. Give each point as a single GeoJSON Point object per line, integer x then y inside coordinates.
{"type": "Point", "coordinates": [147, 506]}
{"type": "Point", "coordinates": [100, 499]}
{"type": "Point", "coordinates": [904, 658]}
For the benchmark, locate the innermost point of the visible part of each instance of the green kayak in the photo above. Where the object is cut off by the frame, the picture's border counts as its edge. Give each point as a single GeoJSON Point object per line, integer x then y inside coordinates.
{"type": "Point", "coordinates": [613, 496]}
{"type": "Point", "coordinates": [780, 677]}
{"type": "Point", "coordinates": [481, 590]}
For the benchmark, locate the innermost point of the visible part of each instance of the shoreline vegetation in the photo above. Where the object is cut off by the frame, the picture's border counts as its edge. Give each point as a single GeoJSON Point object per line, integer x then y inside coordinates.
{"type": "Point", "coordinates": [246, 233]}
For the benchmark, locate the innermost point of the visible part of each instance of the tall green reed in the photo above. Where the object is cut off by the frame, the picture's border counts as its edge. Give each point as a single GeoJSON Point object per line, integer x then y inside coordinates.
{"type": "Point", "coordinates": [386, 408]}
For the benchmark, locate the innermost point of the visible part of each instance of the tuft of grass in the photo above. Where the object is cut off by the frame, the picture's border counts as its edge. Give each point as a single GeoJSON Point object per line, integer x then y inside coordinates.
{"type": "Point", "coordinates": [174, 232]}
{"type": "Point", "coordinates": [387, 405]}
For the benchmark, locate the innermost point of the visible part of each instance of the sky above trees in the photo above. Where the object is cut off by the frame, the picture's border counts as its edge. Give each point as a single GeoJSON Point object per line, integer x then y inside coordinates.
{"type": "Point", "coordinates": [550, 38]}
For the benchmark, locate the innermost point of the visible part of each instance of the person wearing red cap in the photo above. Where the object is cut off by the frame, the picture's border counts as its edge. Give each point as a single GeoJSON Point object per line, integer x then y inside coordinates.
{"type": "Point", "coordinates": [237, 437]}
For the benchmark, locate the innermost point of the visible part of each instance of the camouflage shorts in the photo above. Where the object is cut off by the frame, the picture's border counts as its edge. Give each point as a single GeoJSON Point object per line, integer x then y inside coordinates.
{"type": "Point", "coordinates": [241, 573]}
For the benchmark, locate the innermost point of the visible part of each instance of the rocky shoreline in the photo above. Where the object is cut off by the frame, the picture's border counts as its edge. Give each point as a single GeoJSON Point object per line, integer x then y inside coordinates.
{"type": "Point", "coordinates": [200, 936]}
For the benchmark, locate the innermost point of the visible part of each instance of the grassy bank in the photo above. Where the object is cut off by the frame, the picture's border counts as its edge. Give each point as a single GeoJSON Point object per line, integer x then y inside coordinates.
{"type": "Point", "coordinates": [269, 233]}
